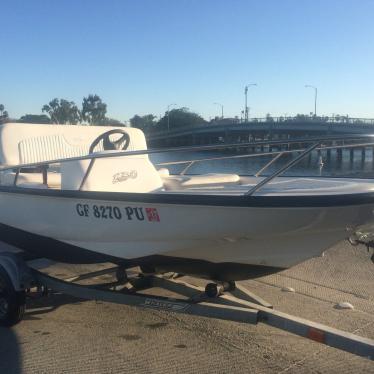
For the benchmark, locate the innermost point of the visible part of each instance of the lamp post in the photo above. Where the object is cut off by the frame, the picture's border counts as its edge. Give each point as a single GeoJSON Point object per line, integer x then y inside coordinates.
{"type": "Point", "coordinates": [168, 110]}
{"type": "Point", "coordinates": [246, 94]}
{"type": "Point", "coordinates": [315, 98]}
{"type": "Point", "coordinates": [221, 108]}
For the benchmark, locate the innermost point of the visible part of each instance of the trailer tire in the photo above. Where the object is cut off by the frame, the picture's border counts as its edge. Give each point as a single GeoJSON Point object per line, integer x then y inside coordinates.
{"type": "Point", "coordinates": [12, 303]}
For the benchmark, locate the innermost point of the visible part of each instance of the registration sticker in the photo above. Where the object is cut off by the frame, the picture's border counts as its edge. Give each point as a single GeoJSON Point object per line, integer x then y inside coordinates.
{"type": "Point", "coordinates": [152, 215]}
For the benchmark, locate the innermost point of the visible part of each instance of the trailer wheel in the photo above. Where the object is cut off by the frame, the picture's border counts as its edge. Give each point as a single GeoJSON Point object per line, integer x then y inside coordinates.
{"type": "Point", "coordinates": [12, 303]}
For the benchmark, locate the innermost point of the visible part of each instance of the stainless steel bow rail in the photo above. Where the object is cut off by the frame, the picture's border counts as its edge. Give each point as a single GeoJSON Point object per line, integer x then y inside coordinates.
{"type": "Point", "coordinates": [226, 301]}
{"type": "Point", "coordinates": [315, 143]}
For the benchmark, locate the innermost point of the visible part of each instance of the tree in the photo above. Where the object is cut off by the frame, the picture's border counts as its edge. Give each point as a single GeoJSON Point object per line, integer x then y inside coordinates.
{"type": "Point", "coordinates": [269, 118]}
{"type": "Point", "coordinates": [3, 114]}
{"type": "Point", "coordinates": [93, 110]}
{"type": "Point", "coordinates": [113, 122]}
{"type": "Point", "coordinates": [179, 118]}
{"type": "Point", "coordinates": [301, 117]}
{"type": "Point", "coordinates": [62, 111]}
{"type": "Point", "coordinates": [144, 123]}
{"type": "Point", "coordinates": [35, 118]}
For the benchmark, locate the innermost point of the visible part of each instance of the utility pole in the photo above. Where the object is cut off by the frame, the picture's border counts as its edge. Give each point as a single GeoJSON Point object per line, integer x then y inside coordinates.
{"type": "Point", "coordinates": [221, 108]}
{"type": "Point", "coordinates": [315, 98]}
{"type": "Point", "coordinates": [246, 111]}
{"type": "Point", "coordinates": [168, 111]}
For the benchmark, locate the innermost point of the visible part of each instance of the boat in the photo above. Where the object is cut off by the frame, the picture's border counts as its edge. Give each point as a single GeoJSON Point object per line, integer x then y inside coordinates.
{"type": "Point", "coordinates": [89, 194]}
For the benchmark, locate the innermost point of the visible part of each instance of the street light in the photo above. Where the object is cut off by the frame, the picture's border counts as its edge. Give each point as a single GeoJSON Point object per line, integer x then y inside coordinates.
{"type": "Point", "coordinates": [315, 98]}
{"type": "Point", "coordinates": [168, 110]}
{"type": "Point", "coordinates": [221, 108]}
{"type": "Point", "coordinates": [246, 105]}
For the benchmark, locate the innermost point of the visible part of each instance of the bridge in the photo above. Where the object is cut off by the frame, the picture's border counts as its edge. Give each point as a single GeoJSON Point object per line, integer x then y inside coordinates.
{"type": "Point", "coordinates": [231, 131]}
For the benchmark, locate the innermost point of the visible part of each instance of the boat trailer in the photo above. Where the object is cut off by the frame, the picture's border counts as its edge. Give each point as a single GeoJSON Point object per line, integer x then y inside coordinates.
{"type": "Point", "coordinates": [226, 300]}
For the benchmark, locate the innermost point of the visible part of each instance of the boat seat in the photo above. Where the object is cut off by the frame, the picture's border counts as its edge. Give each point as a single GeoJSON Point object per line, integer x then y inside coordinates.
{"type": "Point", "coordinates": [115, 174]}
{"type": "Point", "coordinates": [210, 178]}
{"type": "Point", "coordinates": [32, 143]}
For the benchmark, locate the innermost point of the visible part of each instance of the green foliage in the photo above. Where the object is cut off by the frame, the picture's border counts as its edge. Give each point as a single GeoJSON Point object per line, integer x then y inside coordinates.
{"type": "Point", "coordinates": [112, 122]}
{"type": "Point", "coordinates": [179, 118]}
{"type": "Point", "coordinates": [3, 114]}
{"type": "Point", "coordinates": [302, 117]}
{"type": "Point", "coordinates": [93, 110]}
{"type": "Point", "coordinates": [34, 118]}
{"type": "Point", "coordinates": [144, 123]}
{"type": "Point", "coordinates": [62, 111]}
{"type": "Point", "coordinates": [269, 118]}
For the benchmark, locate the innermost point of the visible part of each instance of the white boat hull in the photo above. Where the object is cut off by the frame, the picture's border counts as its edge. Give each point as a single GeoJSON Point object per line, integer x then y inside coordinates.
{"type": "Point", "coordinates": [267, 237]}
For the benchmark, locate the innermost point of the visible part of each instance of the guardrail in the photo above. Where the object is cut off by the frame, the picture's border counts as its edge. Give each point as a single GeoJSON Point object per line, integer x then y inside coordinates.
{"type": "Point", "coordinates": [320, 119]}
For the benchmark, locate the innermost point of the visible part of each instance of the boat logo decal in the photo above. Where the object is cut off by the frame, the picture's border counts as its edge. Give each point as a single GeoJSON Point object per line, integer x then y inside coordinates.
{"type": "Point", "coordinates": [124, 176]}
{"type": "Point", "coordinates": [128, 213]}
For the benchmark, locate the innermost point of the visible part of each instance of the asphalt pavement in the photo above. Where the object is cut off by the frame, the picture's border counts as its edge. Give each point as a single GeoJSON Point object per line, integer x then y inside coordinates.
{"type": "Point", "coordinates": [61, 334]}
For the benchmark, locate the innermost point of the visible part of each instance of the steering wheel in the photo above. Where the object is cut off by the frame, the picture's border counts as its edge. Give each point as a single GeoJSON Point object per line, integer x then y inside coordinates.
{"type": "Point", "coordinates": [112, 145]}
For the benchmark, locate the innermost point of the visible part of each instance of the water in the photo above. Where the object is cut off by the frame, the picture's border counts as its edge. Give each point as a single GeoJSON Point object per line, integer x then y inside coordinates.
{"type": "Point", "coordinates": [310, 166]}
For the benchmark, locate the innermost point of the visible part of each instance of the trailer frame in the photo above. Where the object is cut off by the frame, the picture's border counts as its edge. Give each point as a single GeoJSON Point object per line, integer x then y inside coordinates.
{"type": "Point", "coordinates": [232, 302]}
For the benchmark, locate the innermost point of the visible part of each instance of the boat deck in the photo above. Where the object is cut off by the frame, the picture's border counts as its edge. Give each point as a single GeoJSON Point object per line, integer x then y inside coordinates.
{"type": "Point", "coordinates": [282, 186]}
{"type": "Point", "coordinates": [63, 334]}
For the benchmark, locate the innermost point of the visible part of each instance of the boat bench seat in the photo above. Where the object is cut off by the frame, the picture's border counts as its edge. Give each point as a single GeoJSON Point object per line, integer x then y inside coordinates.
{"type": "Point", "coordinates": [33, 143]}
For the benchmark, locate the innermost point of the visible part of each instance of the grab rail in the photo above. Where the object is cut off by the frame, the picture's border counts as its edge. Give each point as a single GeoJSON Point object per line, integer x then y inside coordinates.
{"type": "Point", "coordinates": [191, 149]}
{"type": "Point", "coordinates": [261, 154]}
{"type": "Point", "coordinates": [316, 144]}
{"type": "Point", "coordinates": [281, 170]}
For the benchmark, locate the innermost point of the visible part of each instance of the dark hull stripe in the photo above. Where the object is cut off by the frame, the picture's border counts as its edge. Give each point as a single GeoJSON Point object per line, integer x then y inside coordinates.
{"type": "Point", "coordinates": [205, 200]}
{"type": "Point", "coordinates": [41, 246]}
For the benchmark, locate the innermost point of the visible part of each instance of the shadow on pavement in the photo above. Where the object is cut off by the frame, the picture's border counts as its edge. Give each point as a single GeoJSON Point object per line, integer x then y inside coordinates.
{"type": "Point", "coordinates": [47, 304]}
{"type": "Point", "coordinates": [10, 353]}
{"type": "Point", "coordinates": [10, 357]}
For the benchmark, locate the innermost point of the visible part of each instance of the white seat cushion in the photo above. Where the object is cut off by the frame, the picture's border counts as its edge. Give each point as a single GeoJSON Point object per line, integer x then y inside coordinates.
{"type": "Point", "coordinates": [208, 179]}
{"type": "Point", "coordinates": [119, 174]}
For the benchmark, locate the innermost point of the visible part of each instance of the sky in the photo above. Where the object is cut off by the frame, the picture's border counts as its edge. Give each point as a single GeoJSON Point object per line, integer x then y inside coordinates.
{"type": "Point", "coordinates": [140, 56]}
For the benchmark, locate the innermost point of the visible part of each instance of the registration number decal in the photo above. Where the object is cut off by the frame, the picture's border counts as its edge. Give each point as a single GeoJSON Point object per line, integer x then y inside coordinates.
{"type": "Point", "coordinates": [118, 213]}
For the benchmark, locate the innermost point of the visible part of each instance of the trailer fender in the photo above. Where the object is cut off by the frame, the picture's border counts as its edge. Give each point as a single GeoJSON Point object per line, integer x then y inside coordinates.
{"type": "Point", "coordinates": [16, 270]}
